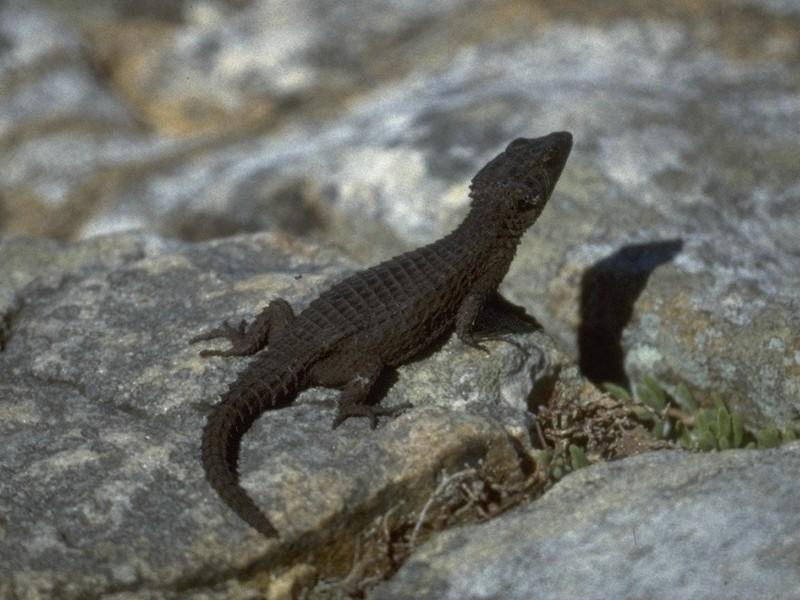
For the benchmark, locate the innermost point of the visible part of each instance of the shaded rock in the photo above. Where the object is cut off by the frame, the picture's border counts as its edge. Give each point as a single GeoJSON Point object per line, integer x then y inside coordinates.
{"type": "Point", "coordinates": [103, 403]}
{"type": "Point", "coordinates": [661, 525]}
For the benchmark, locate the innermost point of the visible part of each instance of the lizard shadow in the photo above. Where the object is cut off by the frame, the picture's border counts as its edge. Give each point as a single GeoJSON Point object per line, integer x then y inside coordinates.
{"type": "Point", "coordinates": [609, 290]}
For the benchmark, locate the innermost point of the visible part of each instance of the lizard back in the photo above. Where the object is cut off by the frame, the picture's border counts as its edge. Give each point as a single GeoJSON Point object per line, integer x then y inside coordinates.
{"type": "Point", "coordinates": [382, 316]}
{"type": "Point", "coordinates": [396, 307]}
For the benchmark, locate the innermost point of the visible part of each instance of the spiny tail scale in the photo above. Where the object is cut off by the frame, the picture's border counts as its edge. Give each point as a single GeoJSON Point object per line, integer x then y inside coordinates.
{"type": "Point", "coordinates": [381, 317]}
{"type": "Point", "coordinates": [240, 406]}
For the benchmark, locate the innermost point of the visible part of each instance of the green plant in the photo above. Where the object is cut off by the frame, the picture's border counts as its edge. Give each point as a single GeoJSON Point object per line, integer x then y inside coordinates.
{"type": "Point", "coordinates": [679, 416]}
{"type": "Point", "coordinates": [557, 464]}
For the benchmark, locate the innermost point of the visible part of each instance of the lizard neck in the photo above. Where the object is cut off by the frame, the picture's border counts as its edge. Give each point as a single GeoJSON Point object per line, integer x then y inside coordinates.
{"type": "Point", "coordinates": [484, 235]}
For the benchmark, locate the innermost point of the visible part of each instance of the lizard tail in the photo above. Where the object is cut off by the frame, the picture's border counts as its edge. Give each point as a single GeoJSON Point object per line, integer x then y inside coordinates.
{"type": "Point", "coordinates": [240, 406]}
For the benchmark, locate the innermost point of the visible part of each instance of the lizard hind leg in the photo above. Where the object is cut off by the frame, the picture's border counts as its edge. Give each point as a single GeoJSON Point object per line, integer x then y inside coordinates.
{"type": "Point", "coordinates": [355, 396]}
{"type": "Point", "coordinates": [248, 339]}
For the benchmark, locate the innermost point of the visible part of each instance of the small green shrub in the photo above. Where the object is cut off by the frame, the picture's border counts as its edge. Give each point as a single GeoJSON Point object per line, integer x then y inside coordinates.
{"type": "Point", "coordinates": [558, 465]}
{"type": "Point", "coordinates": [681, 417]}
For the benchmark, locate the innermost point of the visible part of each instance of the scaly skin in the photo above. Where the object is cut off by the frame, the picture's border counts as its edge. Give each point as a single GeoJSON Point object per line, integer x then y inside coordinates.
{"type": "Point", "coordinates": [380, 317]}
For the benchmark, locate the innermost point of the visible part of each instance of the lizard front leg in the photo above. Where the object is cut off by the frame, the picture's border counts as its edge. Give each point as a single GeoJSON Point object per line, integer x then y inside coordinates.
{"type": "Point", "coordinates": [471, 307]}
{"type": "Point", "coordinates": [248, 339]}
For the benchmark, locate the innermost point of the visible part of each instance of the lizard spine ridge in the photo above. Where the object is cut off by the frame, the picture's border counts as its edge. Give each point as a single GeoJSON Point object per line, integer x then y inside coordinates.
{"type": "Point", "coordinates": [380, 317]}
{"type": "Point", "coordinates": [240, 406]}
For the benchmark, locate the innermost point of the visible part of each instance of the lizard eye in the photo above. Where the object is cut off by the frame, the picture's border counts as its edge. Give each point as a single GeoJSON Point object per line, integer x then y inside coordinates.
{"type": "Point", "coordinates": [529, 201]}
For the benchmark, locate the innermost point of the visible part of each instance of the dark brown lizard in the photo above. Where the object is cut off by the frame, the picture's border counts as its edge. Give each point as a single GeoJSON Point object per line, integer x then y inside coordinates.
{"type": "Point", "coordinates": [380, 317]}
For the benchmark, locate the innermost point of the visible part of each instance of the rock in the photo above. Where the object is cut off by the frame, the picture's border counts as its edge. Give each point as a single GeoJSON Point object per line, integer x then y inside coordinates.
{"type": "Point", "coordinates": [270, 61]}
{"type": "Point", "coordinates": [660, 525]}
{"type": "Point", "coordinates": [46, 264]}
{"type": "Point", "coordinates": [103, 402]}
{"type": "Point", "coordinates": [61, 129]}
{"type": "Point", "coordinates": [669, 249]}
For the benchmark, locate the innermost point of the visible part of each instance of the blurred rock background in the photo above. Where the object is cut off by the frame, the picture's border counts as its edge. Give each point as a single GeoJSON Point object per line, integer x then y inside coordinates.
{"type": "Point", "coordinates": [671, 247]}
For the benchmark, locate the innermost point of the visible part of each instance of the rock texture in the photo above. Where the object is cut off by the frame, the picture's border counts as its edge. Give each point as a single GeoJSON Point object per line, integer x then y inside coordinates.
{"type": "Point", "coordinates": [670, 248]}
{"type": "Point", "coordinates": [103, 402]}
{"type": "Point", "coordinates": [658, 526]}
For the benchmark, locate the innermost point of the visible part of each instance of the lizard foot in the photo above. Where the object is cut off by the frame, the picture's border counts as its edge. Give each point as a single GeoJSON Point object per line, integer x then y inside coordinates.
{"type": "Point", "coordinates": [472, 342]}
{"type": "Point", "coordinates": [505, 338]}
{"type": "Point", "coordinates": [352, 409]}
{"type": "Point", "coordinates": [235, 335]}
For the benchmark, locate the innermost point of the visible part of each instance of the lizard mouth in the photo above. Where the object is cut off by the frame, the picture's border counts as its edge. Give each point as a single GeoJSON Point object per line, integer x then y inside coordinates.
{"type": "Point", "coordinates": [530, 166]}
{"type": "Point", "coordinates": [542, 158]}
{"type": "Point", "coordinates": [559, 145]}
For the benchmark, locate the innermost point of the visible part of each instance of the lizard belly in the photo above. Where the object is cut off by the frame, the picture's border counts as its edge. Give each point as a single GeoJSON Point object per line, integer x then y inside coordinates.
{"type": "Point", "coordinates": [412, 331]}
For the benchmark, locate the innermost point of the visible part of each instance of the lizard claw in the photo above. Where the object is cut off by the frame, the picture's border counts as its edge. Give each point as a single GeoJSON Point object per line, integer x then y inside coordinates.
{"type": "Point", "coordinates": [499, 338]}
{"type": "Point", "coordinates": [469, 340]}
{"type": "Point", "coordinates": [348, 410]}
{"type": "Point", "coordinates": [225, 330]}
{"type": "Point", "coordinates": [235, 335]}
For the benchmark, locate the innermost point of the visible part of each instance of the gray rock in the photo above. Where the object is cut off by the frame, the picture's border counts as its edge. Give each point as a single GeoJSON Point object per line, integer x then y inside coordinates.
{"type": "Point", "coordinates": [61, 129]}
{"type": "Point", "coordinates": [103, 401]}
{"type": "Point", "coordinates": [46, 264]}
{"type": "Point", "coordinates": [657, 526]}
{"type": "Point", "coordinates": [669, 248]}
{"type": "Point", "coordinates": [219, 69]}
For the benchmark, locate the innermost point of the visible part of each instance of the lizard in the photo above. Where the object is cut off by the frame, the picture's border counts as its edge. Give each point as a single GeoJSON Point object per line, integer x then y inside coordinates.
{"type": "Point", "coordinates": [380, 317]}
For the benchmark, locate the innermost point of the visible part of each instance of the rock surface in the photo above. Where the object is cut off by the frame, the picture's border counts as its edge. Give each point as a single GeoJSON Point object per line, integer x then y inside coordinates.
{"type": "Point", "coordinates": [670, 248]}
{"type": "Point", "coordinates": [657, 526]}
{"type": "Point", "coordinates": [103, 401]}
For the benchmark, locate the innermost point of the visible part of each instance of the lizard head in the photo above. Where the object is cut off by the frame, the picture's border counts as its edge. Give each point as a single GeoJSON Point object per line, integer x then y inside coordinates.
{"type": "Point", "coordinates": [520, 180]}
